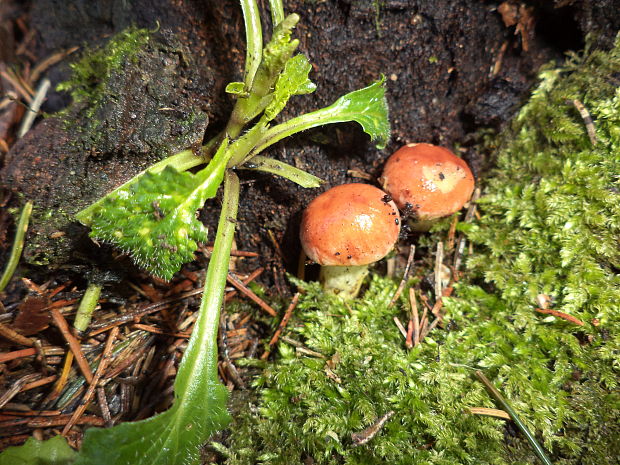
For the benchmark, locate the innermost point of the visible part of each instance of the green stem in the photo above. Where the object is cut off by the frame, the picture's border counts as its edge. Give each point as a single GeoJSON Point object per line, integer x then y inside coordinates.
{"type": "Point", "coordinates": [204, 338]}
{"type": "Point", "coordinates": [538, 450]}
{"type": "Point", "coordinates": [18, 245]}
{"type": "Point", "coordinates": [181, 161]}
{"type": "Point", "coordinates": [277, 12]}
{"type": "Point", "coordinates": [254, 40]}
{"type": "Point", "coordinates": [301, 123]}
{"type": "Point", "coordinates": [87, 306]}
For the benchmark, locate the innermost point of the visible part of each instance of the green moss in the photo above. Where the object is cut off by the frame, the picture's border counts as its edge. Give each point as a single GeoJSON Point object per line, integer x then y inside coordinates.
{"type": "Point", "coordinates": [89, 75]}
{"type": "Point", "coordinates": [550, 224]}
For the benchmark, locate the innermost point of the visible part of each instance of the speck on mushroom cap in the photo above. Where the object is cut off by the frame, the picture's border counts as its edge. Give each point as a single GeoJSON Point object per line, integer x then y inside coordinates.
{"type": "Point", "coordinates": [432, 179]}
{"type": "Point", "coordinates": [349, 225]}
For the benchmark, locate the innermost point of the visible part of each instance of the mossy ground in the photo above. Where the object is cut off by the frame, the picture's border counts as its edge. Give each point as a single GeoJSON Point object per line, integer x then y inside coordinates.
{"type": "Point", "coordinates": [88, 83]}
{"type": "Point", "coordinates": [550, 225]}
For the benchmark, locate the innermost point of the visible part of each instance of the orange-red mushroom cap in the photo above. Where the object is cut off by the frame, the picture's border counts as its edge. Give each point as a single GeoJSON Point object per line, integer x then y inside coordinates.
{"type": "Point", "coordinates": [349, 225]}
{"type": "Point", "coordinates": [431, 179]}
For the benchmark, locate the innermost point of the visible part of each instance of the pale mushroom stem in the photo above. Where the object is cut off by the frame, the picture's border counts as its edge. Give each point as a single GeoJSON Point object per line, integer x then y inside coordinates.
{"type": "Point", "coordinates": [343, 281]}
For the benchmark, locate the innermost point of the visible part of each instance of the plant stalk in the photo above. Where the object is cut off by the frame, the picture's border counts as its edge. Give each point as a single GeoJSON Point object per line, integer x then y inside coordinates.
{"type": "Point", "coordinates": [538, 450]}
{"type": "Point", "coordinates": [87, 306]}
{"type": "Point", "coordinates": [204, 338]}
{"type": "Point", "coordinates": [277, 12]}
{"type": "Point", "coordinates": [18, 245]}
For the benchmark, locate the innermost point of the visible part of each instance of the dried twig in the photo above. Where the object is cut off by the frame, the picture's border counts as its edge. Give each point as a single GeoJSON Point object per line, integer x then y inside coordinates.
{"type": "Point", "coordinates": [49, 61]}
{"type": "Point", "coordinates": [300, 348]}
{"type": "Point", "coordinates": [413, 339]}
{"type": "Point", "coordinates": [287, 315]}
{"type": "Point", "coordinates": [562, 315]}
{"type": "Point", "coordinates": [251, 277]}
{"type": "Point", "coordinates": [33, 109]}
{"type": "Point", "coordinates": [403, 281]}
{"type": "Point", "coordinates": [587, 119]}
{"type": "Point", "coordinates": [14, 336]}
{"type": "Point", "coordinates": [8, 356]}
{"type": "Point", "coordinates": [155, 330]}
{"type": "Point", "coordinates": [366, 435]}
{"type": "Point", "coordinates": [74, 344]}
{"type": "Point", "coordinates": [236, 282]}
{"type": "Point", "coordinates": [39, 382]}
{"type": "Point", "coordinates": [103, 363]}
{"type": "Point", "coordinates": [16, 387]}
{"type": "Point", "coordinates": [438, 263]}
{"type": "Point", "coordinates": [235, 253]}
{"type": "Point", "coordinates": [103, 406]}
{"type": "Point", "coordinates": [400, 327]}
{"type": "Point", "coordinates": [489, 412]}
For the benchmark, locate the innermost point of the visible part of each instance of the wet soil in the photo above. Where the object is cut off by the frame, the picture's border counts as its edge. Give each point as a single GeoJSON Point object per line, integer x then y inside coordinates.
{"type": "Point", "coordinates": [453, 67]}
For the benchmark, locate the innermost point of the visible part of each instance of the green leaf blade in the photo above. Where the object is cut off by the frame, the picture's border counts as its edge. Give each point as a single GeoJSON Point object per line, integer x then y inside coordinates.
{"type": "Point", "coordinates": [54, 451]}
{"type": "Point", "coordinates": [368, 107]}
{"type": "Point", "coordinates": [170, 438]}
{"type": "Point", "coordinates": [147, 222]}
{"type": "Point", "coordinates": [154, 219]}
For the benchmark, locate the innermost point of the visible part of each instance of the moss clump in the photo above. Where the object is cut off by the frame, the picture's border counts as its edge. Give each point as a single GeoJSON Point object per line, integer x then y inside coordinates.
{"type": "Point", "coordinates": [550, 225]}
{"type": "Point", "coordinates": [90, 74]}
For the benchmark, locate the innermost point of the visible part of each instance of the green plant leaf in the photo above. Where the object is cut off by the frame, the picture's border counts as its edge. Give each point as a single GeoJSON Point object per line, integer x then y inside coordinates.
{"type": "Point", "coordinates": [275, 55]}
{"type": "Point", "coordinates": [170, 438]}
{"type": "Point", "coordinates": [366, 106]}
{"type": "Point", "coordinates": [175, 436]}
{"type": "Point", "coordinates": [54, 451]}
{"type": "Point", "coordinates": [269, 165]}
{"type": "Point", "coordinates": [181, 161]}
{"type": "Point", "coordinates": [280, 48]}
{"type": "Point", "coordinates": [292, 81]}
{"type": "Point", "coordinates": [154, 219]}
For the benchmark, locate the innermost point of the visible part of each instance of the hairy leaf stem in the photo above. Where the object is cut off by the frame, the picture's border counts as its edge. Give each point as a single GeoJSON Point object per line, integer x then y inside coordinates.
{"type": "Point", "coordinates": [202, 348]}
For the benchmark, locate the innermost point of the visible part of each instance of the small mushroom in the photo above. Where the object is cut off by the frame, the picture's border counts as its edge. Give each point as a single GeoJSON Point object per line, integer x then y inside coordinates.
{"type": "Point", "coordinates": [428, 180]}
{"type": "Point", "coordinates": [344, 230]}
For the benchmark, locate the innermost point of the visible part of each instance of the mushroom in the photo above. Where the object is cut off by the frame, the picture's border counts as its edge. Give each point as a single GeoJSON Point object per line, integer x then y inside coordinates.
{"type": "Point", "coordinates": [429, 181]}
{"type": "Point", "coordinates": [344, 230]}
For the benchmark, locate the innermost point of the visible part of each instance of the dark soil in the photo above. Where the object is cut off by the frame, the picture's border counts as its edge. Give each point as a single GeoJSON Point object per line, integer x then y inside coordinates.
{"type": "Point", "coordinates": [453, 68]}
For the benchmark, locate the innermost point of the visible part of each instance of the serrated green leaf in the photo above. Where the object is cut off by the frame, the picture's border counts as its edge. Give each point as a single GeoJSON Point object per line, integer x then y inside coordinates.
{"type": "Point", "coordinates": [274, 57]}
{"type": "Point", "coordinates": [280, 48]}
{"type": "Point", "coordinates": [54, 451]}
{"type": "Point", "coordinates": [366, 106]}
{"type": "Point", "coordinates": [154, 219]}
{"type": "Point", "coordinates": [292, 81]}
